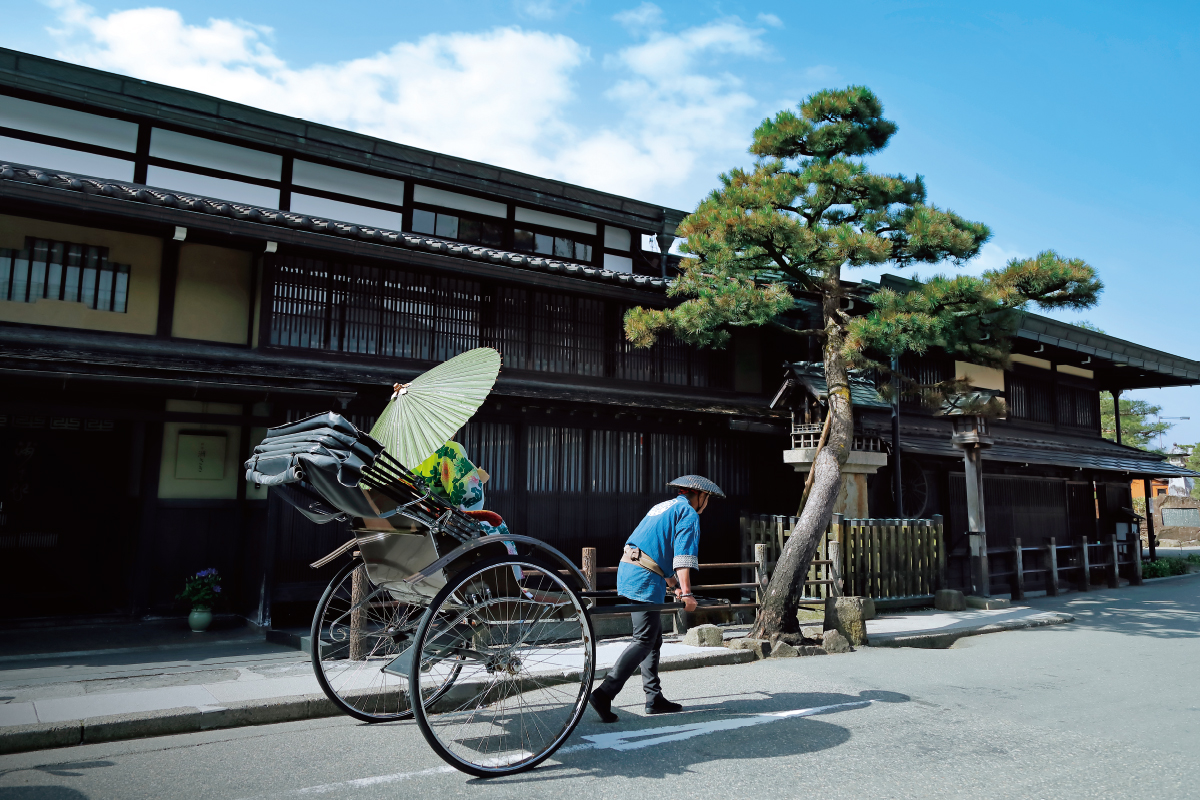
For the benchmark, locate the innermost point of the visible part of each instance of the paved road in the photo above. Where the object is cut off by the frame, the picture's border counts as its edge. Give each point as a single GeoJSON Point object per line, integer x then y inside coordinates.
{"type": "Point", "coordinates": [1104, 707]}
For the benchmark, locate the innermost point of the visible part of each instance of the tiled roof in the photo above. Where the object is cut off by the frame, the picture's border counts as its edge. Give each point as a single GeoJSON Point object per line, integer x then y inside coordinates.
{"type": "Point", "coordinates": [1054, 449]}
{"type": "Point", "coordinates": [110, 94]}
{"type": "Point", "coordinates": [137, 193]}
{"type": "Point", "coordinates": [811, 374]}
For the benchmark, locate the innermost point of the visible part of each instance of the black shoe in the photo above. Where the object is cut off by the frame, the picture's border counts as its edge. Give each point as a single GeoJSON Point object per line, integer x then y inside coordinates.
{"type": "Point", "coordinates": [603, 705]}
{"type": "Point", "coordinates": [661, 705]}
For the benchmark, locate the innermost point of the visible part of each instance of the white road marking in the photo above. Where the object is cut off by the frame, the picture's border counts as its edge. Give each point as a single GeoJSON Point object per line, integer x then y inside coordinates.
{"type": "Point", "coordinates": [358, 783]}
{"type": "Point", "coordinates": [635, 740]}
{"type": "Point", "coordinates": [619, 740]}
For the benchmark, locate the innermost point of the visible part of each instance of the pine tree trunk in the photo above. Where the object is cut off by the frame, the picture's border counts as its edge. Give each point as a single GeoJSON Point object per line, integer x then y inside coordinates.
{"type": "Point", "coordinates": [781, 601]}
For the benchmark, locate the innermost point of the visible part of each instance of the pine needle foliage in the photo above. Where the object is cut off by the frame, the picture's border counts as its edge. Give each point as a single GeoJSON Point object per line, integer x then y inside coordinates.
{"type": "Point", "coordinates": [1138, 429]}
{"type": "Point", "coordinates": [808, 209]}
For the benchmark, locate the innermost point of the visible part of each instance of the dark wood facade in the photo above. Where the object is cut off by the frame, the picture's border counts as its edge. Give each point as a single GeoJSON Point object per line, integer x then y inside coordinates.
{"type": "Point", "coordinates": [237, 315]}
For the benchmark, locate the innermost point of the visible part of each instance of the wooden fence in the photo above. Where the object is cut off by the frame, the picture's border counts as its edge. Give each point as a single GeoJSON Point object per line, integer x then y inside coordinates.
{"type": "Point", "coordinates": [1021, 569]}
{"type": "Point", "coordinates": [879, 558]}
{"type": "Point", "coordinates": [763, 538]}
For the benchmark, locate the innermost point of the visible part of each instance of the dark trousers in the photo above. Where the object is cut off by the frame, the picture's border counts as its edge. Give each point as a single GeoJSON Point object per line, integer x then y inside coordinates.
{"type": "Point", "coordinates": [642, 652]}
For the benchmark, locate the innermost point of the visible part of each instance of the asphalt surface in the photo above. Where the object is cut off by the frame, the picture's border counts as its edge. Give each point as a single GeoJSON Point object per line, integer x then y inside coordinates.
{"type": "Point", "coordinates": [1103, 707]}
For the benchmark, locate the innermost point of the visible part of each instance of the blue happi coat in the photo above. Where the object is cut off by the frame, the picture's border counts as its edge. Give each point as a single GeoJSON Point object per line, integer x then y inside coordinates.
{"type": "Point", "coordinates": [669, 534]}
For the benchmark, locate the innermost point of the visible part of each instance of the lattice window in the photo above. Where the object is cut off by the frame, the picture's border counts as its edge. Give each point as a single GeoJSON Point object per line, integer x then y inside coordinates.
{"type": "Point", "coordinates": [491, 446]}
{"type": "Point", "coordinates": [353, 308]}
{"type": "Point", "coordinates": [727, 464]}
{"type": "Point", "coordinates": [555, 461]}
{"type": "Point", "coordinates": [301, 304]}
{"type": "Point", "coordinates": [617, 461]}
{"type": "Point", "coordinates": [1029, 398]}
{"type": "Point", "coordinates": [74, 273]}
{"type": "Point", "coordinates": [671, 455]}
{"type": "Point", "coordinates": [510, 326]}
{"type": "Point", "coordinates": [1078, 408]}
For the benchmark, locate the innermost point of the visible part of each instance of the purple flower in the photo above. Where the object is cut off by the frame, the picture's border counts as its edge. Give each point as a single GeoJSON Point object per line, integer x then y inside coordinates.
{"type": "Point", "coordinates": [217, 589]}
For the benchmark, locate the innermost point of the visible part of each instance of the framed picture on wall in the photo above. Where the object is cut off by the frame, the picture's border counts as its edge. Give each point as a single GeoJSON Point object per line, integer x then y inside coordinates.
{"type": "Point", "coordinates": [200, 456]}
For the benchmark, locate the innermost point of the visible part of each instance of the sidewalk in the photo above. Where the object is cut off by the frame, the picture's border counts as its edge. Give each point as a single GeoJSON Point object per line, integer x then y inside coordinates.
{"type": "Point", "coordinates": [940, 629]}
{"type": "Point", "coordinates": [237, 678]}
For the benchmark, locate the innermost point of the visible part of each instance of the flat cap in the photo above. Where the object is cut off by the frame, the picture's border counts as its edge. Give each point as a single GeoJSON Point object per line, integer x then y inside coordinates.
{"type": "Point", "coordinates": [697, 482]}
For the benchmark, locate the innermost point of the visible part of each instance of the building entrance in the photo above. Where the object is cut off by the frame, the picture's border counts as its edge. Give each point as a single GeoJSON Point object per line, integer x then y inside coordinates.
{"type": "Point", "coordinates": [66, 516]}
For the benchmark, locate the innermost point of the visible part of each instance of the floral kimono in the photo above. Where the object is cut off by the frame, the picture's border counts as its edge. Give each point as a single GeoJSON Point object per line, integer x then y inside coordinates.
{"type": "Point", "coordinates": [451, 475]}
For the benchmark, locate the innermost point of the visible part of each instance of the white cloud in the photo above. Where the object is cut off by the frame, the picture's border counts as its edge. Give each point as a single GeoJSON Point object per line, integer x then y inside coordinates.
{"type": "Point", "coordinates": [637, 20]}
{"type": "Point", "coordinates": [770, 19]}
{"type": "Point", "coordinates": [505, 96]}
{"type": "Point", "coordinates": [545, 9]}
{"type": "Point", "coordinates": [991, 256]}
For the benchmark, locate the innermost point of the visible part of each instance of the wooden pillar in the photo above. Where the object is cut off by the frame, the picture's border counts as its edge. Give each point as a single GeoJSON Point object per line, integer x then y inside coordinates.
{"type": "Point", "coordinates": [1146, 488]}
{"type": "Point", "coordinates": [976, 522]}
{"type": "Point", "coordinates": [760, 572]}
{"type": "Point", "coordinates": [1114, 572]}
{"type": "Point", "coordinates": [1019, 568]}
{"type": "Point", "coordinates": [1136, 576]}
{"type": "Point", "coordinates": [588, 565]}
{"type": "Point", "coordinates": [1116, 393]}
{"type": "Point", "coordinates": [168, 278]}
{"type": "Point", "coordinates": [1087, 566]}
{"type": "Point", "coordinates": [1051, 567]}
{"type": "Point", "coordinates": [939, 534]}
{"type": "Point", "coordinates": [980, 573]}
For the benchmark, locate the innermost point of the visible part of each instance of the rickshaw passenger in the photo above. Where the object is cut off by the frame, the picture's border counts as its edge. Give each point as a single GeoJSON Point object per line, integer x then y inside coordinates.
{"type": "Point", "coordinates": [669, 534]}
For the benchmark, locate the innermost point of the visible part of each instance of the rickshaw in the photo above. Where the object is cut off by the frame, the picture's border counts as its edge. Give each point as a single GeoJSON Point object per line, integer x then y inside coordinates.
{"type": "Point", "coordinates": [484, 639]}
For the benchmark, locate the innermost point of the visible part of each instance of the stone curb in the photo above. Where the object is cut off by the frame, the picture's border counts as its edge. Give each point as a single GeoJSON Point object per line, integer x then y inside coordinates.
{"type": "Point", "coordinates": [169, 722]}
{"type": "Point", "coordinates": [163, 722]}
{"type": "Point", "coordinates": [943, 639]}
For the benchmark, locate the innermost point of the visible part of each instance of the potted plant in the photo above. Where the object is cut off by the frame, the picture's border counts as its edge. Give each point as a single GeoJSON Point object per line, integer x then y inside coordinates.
{"type": "Point", "coordinates": [201, 590]}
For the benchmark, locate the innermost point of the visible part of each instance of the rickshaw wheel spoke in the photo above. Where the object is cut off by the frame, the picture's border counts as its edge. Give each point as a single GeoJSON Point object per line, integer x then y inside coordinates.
{"type": "Point", "coordinates": [524, 683]}
{"type": "Point", "coordinates": [358, 630]}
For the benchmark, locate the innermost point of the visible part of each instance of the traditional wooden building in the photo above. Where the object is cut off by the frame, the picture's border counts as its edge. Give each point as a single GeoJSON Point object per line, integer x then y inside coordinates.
{"type": "Point", "coordinates": [1048, 472]}
{"type": "Point", "coordinates": [178, 273]}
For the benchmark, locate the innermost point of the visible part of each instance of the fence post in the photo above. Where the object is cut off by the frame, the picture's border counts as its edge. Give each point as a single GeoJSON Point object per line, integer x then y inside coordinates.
{"type": "Point", "coordinates": [835, 569]}
{"type": "Point", "coordinates": [1087, 566]}
{"type": "Point", "coordinates": [1136, 577]}
{"type": "Point", "coordinates": [833, 549]}
{"type": "Point", "coordinates": [588, 563]}
{"type": "Point", "coordinates": [1051, 567]}
{"type": "Point", "coordinates": [1114, 574]}
{"type": "Point", "coordinates": [940, 538]}
{"type": "Point", "coordinates": [1019, 565]}
{"type": "Point", "coordinates": [760, 573]}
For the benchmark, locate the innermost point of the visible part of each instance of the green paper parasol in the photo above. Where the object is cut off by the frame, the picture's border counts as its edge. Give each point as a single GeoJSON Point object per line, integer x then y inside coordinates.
{"type": "Point", "coordinates": [422, 415]}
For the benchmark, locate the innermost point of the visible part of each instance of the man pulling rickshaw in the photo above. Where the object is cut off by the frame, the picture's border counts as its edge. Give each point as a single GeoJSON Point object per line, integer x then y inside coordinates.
{"type": "Point", "coordinates": [668, 534]}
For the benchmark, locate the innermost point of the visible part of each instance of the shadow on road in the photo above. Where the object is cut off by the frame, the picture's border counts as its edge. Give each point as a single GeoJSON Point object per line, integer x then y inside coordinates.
{"type": "Point", "coordinates": [706, 732]}
{"type": "Point", "coordinates": [41, 793]}
{"type": "Point", "coordinates": [1168, 610]}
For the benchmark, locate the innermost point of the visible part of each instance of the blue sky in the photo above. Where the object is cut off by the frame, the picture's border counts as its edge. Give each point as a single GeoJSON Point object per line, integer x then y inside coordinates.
{"type": "Point", "coordinates": [1066, 125]}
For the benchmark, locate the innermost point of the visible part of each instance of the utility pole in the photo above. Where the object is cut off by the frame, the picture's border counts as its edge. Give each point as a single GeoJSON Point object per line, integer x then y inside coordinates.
{"type": "Point", "coordinates": [897, 483]}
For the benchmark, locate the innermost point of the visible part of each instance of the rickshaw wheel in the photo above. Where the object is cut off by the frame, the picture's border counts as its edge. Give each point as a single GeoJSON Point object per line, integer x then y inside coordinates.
{"type": "Point", "coordinates": [358, 630]}
{"type": "Point", "coordinates": [521, 644]}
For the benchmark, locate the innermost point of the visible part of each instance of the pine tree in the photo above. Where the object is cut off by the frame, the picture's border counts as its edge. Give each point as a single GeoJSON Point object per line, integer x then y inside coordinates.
{"type": "Point", "coordinates": [1137, 429]}
{"type": "Point", "coordinates": [809, 209]}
